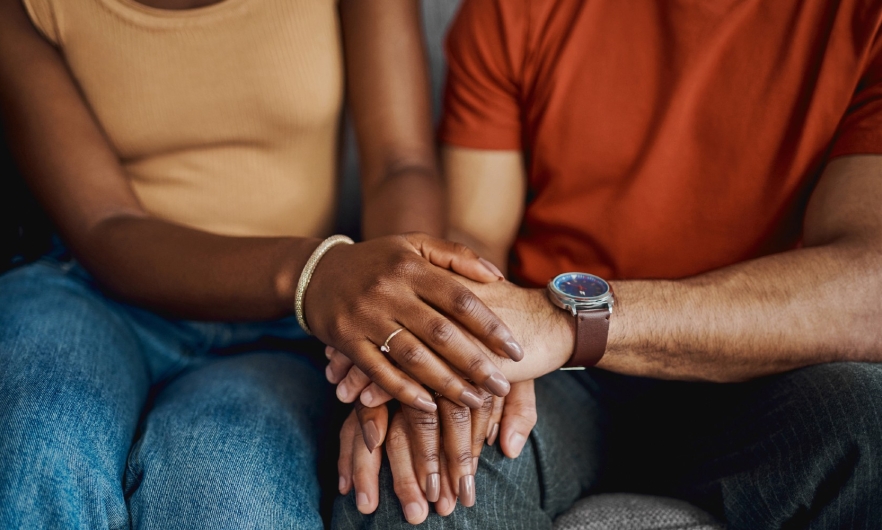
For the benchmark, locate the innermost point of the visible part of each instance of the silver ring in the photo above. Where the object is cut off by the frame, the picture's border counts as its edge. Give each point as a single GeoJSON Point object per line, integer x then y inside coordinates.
{"type": "Point", "coordinates": [385, 347]}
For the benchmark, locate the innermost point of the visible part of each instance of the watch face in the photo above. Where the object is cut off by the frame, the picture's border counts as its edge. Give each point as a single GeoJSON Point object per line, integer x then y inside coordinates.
{"type": "Point", "coordinates": [580, 285]}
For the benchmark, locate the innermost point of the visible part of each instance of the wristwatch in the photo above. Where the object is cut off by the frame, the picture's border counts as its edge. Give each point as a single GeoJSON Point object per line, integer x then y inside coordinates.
{"type": "Point", "coordinates": [590, 299]}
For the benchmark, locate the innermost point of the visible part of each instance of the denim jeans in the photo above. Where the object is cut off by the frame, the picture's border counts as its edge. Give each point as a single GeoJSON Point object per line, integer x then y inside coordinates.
{"type": "Point", "coordinates": [800, 450]}
{"type": "Point", "coordinates": [112, 416]}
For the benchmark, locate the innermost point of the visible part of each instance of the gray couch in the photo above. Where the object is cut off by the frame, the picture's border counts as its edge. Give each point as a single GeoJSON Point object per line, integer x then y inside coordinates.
{"type": "Point", "coordinates": [598, 512]}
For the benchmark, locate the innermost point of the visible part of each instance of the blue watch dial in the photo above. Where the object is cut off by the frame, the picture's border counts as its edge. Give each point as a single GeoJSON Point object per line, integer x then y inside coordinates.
{"type": "Point", "coordinates": [580, 285]}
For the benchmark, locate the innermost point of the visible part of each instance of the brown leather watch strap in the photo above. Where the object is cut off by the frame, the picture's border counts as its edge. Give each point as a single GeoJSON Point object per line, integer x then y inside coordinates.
{"type": "Point", "coordinates": [592, 329]}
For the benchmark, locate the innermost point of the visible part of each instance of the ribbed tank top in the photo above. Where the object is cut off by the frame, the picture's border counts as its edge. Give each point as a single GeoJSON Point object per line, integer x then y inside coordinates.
{"type": "Point", "coordinates": [224, 117]}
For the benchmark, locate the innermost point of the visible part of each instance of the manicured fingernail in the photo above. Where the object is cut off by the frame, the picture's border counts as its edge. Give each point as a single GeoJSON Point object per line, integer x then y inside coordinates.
{"type": "Point", "coordinates": [367, 397]}
{"type": "Point", "coordinates": [343, 393]}
{"type": "Point", "coordinates": [341, 484]}
{"type": "Point", "coordinates": [492, 268]}
{"type": "Point", "coordinates": [475, 464]}
{"type": "Point", "coordinates": [412, 512]}
{"type": "Point", "coordinates": [467, 490]}
{"type": "Point", "coordinates": [371, 435]}
{"type": "Point", "coordinates": [513, 350]}
{"type": "Point", "coordinates": [424, 404]}
{"type": "Point", "coordinates": [516, 443]}
{"type": "Point", "coordinates": [498, 384]}
{"type": "Point", "coordinates": [494, 431]}
{"type": "Point", "coordinates": [442, 505]}
{"type": "Point", "coordinates": [471, 400]}
{"type": "Point", "coordinates": [433, 487]}
{"type": "Point", "coordinates": [361, 500]}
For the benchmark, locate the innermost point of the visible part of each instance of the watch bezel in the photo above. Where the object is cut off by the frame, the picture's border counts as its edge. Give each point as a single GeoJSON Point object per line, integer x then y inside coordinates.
{"type": "Point", "coordinates": [574, 304]}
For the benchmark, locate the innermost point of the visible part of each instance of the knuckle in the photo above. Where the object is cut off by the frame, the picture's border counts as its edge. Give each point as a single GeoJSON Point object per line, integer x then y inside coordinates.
{"type": "Point", "coordinates": [465, 302]}
{"type": "Point", "coordinates": [429, 456]}
{"type": "Point", "coordinates": [441, 331]}
{"type": "Point", "coordinates": [476, 365]}
{"type": "Point", "coordinates": [425, 422]}
{"type": "Point", "coordinates": [459, 416]}
{"type": "Point", "coordinates": [397, 439]}
{"type": "Point", "coordinates": [464, 458]}
{"type": "Point", "coordinates": [403, 486]}
{"type": "Point", "coordinates": [463, 250]}
{"type": "Point", "coordinates": [408, 266]}
{"type": "Point", "coordinates": [413, 354]}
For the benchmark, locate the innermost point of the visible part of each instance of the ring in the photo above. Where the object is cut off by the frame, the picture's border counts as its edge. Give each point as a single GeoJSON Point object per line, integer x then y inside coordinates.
{"type": "Point", "coordinates": [385, 347]}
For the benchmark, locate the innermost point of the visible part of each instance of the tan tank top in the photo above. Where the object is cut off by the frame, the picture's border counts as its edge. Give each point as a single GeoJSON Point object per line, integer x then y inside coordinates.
{"type": "Point", "coordinates": [224, 117]}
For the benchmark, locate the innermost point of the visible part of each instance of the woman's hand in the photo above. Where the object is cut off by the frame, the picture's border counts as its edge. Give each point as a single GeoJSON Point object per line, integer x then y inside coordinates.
{"type": "Point", "coordinates": [360, 294]}
{"type": "Point", "coordinates": [433, 456]}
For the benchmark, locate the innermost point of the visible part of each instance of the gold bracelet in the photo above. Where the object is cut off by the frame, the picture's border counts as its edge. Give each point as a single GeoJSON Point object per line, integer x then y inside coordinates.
{"type": "Point", "coordinates": [306, 275]}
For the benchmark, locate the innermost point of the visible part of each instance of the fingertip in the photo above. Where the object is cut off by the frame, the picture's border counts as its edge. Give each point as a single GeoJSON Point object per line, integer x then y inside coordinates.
{"type": "Point", "coordinates": [330, 376]}
{"type": "Point", "coordinates": [343, 393]}
{"type": "Point", "coordinates": [515, 444]}
{"type": "Point", "coordinates": [444, 506]}
{"type": "Point", "coordinates": [493, 269]}
{"type": "Point", "coordinates": [415, 512]}
{"type": "Point", "coordinates": [513, 350]}
{"type": "Point", "coordinates": [329, 352]}
{"type": "Point", "coordinates": [425, 405]}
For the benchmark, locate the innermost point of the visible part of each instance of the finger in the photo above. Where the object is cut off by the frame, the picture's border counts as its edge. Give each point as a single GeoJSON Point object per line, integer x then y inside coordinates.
{"type": "Point", "coordinates": [338, 365]}
{"type": "Point", "coordinates": [365, 474]}
{"type": "Point", "coordinates": [447, 500]}
{"type": "Point", "coordinates": [456, 257]}
{"type": "Point", "coordinates": [456, 436]}
{"type": "Point", "coordinates": [373, 421]}
{"type": "Point", "coordinates": [374, 396]}
{"type": "Point", "coordinates": [518, 418]}
{"type": "Point", "coordinates": [396, 383]}
{"type": "Point", "coordinates": [344, 461]}
{"type": "Point", "coordinates": [480, 423]}
{"type": "Point", "coordinates": [424, 366]}
{"type": "Point", "coordinates": [351, 386]}
{"type": "Point", "coordinates": [441, 290]}
{"type": "Point", "coordinates": [425, 447]}
{"type": "Point", "coordinates": [406, 485]}
{"type": "Point", "coordinates": [495, 418]}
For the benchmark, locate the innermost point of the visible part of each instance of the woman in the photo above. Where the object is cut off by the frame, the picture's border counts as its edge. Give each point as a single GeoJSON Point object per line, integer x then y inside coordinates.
{"type": "Point", "coordinates": [185, 149]}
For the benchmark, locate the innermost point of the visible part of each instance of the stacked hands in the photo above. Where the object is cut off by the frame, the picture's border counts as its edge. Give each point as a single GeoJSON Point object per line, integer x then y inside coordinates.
{"type": "Point", "coordinates": [422, 332]}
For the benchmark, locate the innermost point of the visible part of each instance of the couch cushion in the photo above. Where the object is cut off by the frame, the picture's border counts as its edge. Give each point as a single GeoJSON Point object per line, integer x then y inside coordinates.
{"type": "Point", "coordinates": [624, 511]}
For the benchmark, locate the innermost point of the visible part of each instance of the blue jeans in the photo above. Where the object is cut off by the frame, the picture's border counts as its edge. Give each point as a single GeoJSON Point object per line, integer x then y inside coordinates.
{"type": "Point", "coordinates": [112, 416]}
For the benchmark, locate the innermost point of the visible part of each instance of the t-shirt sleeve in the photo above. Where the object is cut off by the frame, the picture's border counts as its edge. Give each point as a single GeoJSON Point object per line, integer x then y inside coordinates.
{"type": "Point", "coordinates": [42, 14]}
{"type": "Point", "coordinates": [485, 57]}
{"type": "Point", "coordinates": [860, 132]}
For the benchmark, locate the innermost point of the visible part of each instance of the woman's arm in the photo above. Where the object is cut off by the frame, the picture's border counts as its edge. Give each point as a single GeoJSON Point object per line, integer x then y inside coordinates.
{"type": "Point", "coordinates": [388, 92]}
{"type": "Point", "coordinates": [78, 178]}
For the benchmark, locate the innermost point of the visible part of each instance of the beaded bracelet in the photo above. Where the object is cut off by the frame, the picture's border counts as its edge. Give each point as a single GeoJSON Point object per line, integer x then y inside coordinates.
{"type": "Point", "coordinates": [306, 275]}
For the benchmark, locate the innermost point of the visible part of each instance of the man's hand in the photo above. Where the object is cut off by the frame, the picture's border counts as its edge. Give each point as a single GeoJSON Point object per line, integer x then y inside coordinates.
{"type": "Point", "coordinates": [433, 456]}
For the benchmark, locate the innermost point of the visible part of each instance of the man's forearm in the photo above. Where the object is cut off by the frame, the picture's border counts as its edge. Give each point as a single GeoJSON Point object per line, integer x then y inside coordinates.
{"type": "Point", "coordinates": [760, 317]}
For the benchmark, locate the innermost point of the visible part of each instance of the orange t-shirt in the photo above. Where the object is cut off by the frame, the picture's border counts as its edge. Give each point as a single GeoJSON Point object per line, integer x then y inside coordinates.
{"type": "Point", "coordinates": [663, 139]}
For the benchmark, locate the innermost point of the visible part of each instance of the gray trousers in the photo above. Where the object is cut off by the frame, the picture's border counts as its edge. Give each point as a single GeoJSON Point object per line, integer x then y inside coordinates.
{"type": "Point", "coordinates": [797, 450]}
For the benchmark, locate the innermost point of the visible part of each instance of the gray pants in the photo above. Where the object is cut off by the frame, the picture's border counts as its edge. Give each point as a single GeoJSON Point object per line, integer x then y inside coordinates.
{"type": "Point", "coordinates": [798, 450]}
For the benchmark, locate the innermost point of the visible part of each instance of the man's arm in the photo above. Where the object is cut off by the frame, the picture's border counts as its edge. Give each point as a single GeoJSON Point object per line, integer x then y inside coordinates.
{"type": "Point", "coordinates": [388, 92]}
{"type": "Point", "coordinates": [816, 304]}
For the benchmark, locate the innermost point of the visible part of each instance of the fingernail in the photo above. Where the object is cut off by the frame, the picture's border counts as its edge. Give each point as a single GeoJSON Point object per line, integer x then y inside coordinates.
{"type": "Point", "coordinates": [412, 511]}
{"type": "Point", "coordinates": [328, 351]}
{"type": "Point", "coordinates": [361, 500]}
{"type": "Point", "coordinates": [467, 490]}
{"type": "Point", "coordinates": [516, 443]}
{"type": "Point", "coordinates": [367, 397]}
{"type": "Point", "coordinates": [475, 464]}
{"type": "Point", "coordinates": [433, 487]}
{"type": "Point", "coordinates": [343, 393]}
{"type": "Point", "coordinates": [329, 374]}
{"type": "Point", "coordinates": [494, 431]}
{"type": "Point", "coordinates": [341, 484]}
{"type": "Point", "coordinates": [424, 404]}
{"type": "Point", "coordinates": [513, 350]}
{"type": "Point", "coordinates": [442, 505]}
{"type": "Point", "coordinates": [371, 435]}
{"type": "Point", "coordinates": [497, 384]}
{"type": "Point", "coordinates": [471, 400]}
{"type": "Point", "coordinates": [492, 268]}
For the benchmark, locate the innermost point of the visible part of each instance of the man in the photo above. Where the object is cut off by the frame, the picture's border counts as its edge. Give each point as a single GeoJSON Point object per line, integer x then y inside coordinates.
{"type": "Point", "coordinates": [719, 164]}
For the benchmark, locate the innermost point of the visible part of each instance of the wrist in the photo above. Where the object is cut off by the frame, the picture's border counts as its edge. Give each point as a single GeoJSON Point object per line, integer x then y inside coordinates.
{"type": "Point", "coordinates": [294, 255]}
